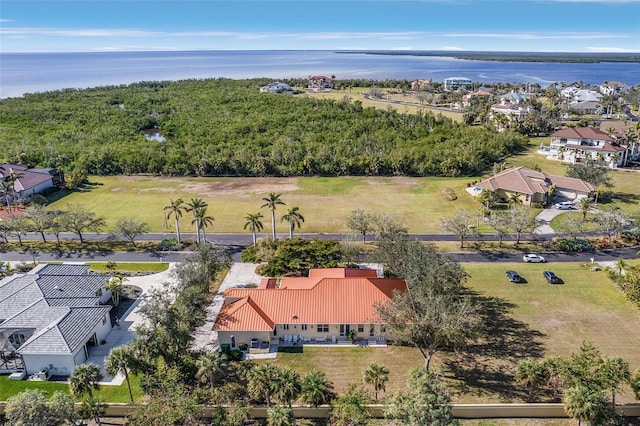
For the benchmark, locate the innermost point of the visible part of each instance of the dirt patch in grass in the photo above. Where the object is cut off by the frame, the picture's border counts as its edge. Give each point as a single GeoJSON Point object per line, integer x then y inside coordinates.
{"type": "Point", "coordinates": [248, 187]}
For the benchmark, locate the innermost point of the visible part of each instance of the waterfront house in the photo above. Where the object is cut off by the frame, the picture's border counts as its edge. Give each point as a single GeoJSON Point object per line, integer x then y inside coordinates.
{"type": "Point", "coordinates": [319, 83]}
{"type": "Point", "coordinates": [329, 305]}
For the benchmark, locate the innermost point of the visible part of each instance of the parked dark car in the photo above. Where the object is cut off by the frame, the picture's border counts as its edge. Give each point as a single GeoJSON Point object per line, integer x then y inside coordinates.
{"type": "Point", "coordinates": [514, 277]}
{"type": "Point", "coordinates": [551, 277]}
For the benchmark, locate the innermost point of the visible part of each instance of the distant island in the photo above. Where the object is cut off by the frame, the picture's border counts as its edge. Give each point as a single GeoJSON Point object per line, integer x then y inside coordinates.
{"type": "Point", "coordinates": [565, 57]}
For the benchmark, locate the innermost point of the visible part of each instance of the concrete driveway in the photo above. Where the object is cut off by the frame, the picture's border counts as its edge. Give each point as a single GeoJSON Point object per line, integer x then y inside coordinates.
{"type": "Point", "coordinates": [544, 218]}
{"type": "Point", "coordinates": [125, 333]}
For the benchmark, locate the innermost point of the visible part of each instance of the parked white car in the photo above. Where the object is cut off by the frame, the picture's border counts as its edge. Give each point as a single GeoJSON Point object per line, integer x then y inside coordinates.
{"type": "Point", "coordinates": [533, 258]}
{"type": "Point", "coordinates": [565, 205]}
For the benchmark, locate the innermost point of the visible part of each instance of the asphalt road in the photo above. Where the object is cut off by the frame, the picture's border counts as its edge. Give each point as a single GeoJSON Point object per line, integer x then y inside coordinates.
{"type": "Point", "coordinates": [236, 242]}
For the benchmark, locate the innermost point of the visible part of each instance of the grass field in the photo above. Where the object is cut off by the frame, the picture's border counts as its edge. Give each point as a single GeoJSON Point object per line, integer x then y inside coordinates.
{"type": "Point", "coordinates": [534, 319]}
{"type": "Point", "coordinates": [325, 202]}
{"type": "Point", "coordinates": [130, 267]}
{"type": "Point", "coordinates": [120, 393]}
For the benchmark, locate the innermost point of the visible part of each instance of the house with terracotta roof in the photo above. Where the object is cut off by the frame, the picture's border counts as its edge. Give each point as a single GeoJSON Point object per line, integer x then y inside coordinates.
{"type": "Point", "coordinates": [51, 318]}
{"type": "Point", "coordinates": [330, 305]}
{"type": "Point", "coordinates": [532, 186]}
{"type": "Point", "coordinates": [574, 145]}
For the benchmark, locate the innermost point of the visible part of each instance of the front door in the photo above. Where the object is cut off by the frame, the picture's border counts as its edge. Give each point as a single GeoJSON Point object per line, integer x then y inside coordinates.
{"type": "Point", "coordinates": [344, 330]}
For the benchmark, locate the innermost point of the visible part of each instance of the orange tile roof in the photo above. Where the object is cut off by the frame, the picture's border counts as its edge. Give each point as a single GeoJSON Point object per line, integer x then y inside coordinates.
{"type": "Point", "coordinates": [342, 273]}
{"type": "Point", "coordinates": [347, 300]}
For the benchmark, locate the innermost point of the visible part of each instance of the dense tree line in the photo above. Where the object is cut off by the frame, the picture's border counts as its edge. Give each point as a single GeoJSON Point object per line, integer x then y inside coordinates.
{"type": "Point", "coordinates": [226, 127]}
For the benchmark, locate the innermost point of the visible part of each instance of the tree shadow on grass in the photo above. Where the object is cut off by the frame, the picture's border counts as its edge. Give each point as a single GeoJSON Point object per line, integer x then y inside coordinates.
{"type": "Point", "coordinates": [487, 367]}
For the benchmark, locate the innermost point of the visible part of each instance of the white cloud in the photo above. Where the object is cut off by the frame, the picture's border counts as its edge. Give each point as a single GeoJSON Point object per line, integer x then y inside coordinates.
{"type": "Point", "coordinates": [606, 49]}
{"type": "Point", "coordinates": [540, 36]}
{"type": "Point", "coordinates": [449, 48]}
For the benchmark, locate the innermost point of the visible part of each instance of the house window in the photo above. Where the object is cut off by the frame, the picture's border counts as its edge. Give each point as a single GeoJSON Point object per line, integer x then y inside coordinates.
{"type": "Point", "coordinates": [383, 328]}
{"type": "Point", "coordinates": [303, 326]}
{"type": "Point", "coordinates": [360, 328]}
{"type": "Point", "coordinates": [285, 326]}
{"type": "Point", "coordinates": [372, 330]}
{"type": "Point", "coordinates": [17, 339]}
{"type": "Point", "coordinates": [323, 328]}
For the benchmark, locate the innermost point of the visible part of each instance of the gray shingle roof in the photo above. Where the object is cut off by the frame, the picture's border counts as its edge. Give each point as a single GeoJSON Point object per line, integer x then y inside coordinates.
{"type": "Point", "coordinates": [57, 312]}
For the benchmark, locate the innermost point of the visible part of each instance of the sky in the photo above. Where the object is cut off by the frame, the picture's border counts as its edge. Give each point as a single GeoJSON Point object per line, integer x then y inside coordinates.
{"type": "Point", "coordinates": [476, 25]}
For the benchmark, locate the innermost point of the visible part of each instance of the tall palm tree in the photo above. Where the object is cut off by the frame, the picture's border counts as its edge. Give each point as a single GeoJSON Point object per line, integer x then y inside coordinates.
{"type": "Point", "coordinates": [252, 221]}
{"type": "Point", "coordinates": [377, 375]}
{"type": "Point", "coordinates": [316, 389]}
{"type": "Point", "coordinates": [272, 201]}
{"type": "Point", "coordinates": [202, 221]}
{"type": "Point", "coordinates": [212, 367]}
{"type": "Point", "coordinates": [175, 208]}
{"type": "Point", "coordinates": [294, 218]}
{"type": "Point", "coordinates": [120, 360]}
{"type": "Point", "coordinates": [85, 378]}
{"type": "Point", "coordinates": [194, 206]}
{"type": "Point", "coordinates": [287, 385]}
{"type": "Point", "coordinates": [584, 404]}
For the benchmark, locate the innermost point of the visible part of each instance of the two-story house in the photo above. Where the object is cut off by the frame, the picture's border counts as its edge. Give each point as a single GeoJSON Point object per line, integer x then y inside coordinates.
{"type": "Point", "coordinates": [573, 145]}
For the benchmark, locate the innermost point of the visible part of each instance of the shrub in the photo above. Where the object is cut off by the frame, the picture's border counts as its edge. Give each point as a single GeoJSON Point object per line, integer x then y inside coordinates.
{"type": "Point", "coordinates": [250, 254]}
{"type": "Point", "coordinates": [235, 355]}
{"type": "Point", "coordinates": [572, 245]}
{"type": "Point", "coordinates": [169, 244]}
{"type": "Point", "coordinates": [448, 194]}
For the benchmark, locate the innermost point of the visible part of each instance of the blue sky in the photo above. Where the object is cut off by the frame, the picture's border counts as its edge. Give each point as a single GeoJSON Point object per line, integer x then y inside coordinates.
{"type": "Point", "coordinates": [503, 25]}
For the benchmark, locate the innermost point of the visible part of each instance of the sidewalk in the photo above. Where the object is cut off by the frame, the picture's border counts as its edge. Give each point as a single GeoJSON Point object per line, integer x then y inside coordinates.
{"type": "Point", "coordinates": [240, 275]}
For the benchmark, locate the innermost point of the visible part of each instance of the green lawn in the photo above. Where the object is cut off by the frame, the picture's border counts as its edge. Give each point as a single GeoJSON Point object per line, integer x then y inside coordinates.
{"type": "Point", "coordinates": [534, 319]}
{"type": "Point", "coordinates": [130, 267]}
{"type": "Point", "coordinates": [325, 202]}
{"type": "Point", "coordinates": [120, 393]}
{"type": "Point", "coordinates": [589, 224]}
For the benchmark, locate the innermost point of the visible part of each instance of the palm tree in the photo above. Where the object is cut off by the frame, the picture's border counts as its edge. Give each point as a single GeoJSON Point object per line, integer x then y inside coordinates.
{"type": "Point", "coordinates": [93, 408]}
{"type": "Point", "coordinates": [294, 218]}
{"type": "Point", "coordinates": [194, 206]}
{"type": "Point", "coordinates": [85, 378]}
{"type": "Point", "coordinates": [530, 374]}
{"type": "Point", "coordinates": [7, 187]}
{"type": "Point", "coordinates": [202, 221]}
{"type": "Point", "coordinates": [212, 367]}
{"type": "Point", "coordinates": [316, 389]}
{"type": "Point", "coordinates": [261, 381]}
{"type": "Point", "coordinates": [175, 208]}
{"type": "Point", "coordinates": [376, 375]}
{"type": "Point", "coordinates": [584, 404]}
{"type": "Point", "coordinates": [514, 198]}
{"type": "Point", "coordinates": [119, 360]}
{"type": "Point", "coordinates": [272, 201]}
{"type": "Point", "coordinates": [585, 205]}
{"type": "Point", "coordinates": [280, 416]}
{"type": "Point", "coordinates": [287, 385]}
{"type": "Point", "coordinates": [252, 221]}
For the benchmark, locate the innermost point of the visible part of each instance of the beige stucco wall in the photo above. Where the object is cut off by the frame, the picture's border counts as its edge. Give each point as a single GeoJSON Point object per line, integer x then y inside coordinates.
{"type": "Point", "coordinates": [224, 337]}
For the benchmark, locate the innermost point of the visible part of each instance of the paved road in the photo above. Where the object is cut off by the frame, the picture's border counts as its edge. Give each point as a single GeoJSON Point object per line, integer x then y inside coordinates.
{"type": "Point", "coordinates": [482, 256]}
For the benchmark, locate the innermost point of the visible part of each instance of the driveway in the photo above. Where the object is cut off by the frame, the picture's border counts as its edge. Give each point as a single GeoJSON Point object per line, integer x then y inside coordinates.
{"type": "Point", "coordinates": [544, 218]}
{"type": "Point", "coordinates": [239, 275]}
{"type": "Point", "coordinates": [126, 332]}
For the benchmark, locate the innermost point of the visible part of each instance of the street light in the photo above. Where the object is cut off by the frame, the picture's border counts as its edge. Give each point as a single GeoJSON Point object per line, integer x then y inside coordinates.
{"type": "Point", "coordinates": [33, 254]}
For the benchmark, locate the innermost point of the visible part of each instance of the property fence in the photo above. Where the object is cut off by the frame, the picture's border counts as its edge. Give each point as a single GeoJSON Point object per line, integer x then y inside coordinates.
{"type": "Point", "coordinates": [462, 411]}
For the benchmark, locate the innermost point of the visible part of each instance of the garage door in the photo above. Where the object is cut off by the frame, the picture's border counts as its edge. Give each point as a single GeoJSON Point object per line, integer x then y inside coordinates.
{"type": "Point", "coordinates": [567, 193]}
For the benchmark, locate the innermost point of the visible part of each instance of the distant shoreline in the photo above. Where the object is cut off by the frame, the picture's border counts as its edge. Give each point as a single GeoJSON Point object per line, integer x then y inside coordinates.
{"type": "Point", "coordinates": [557, 57]}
